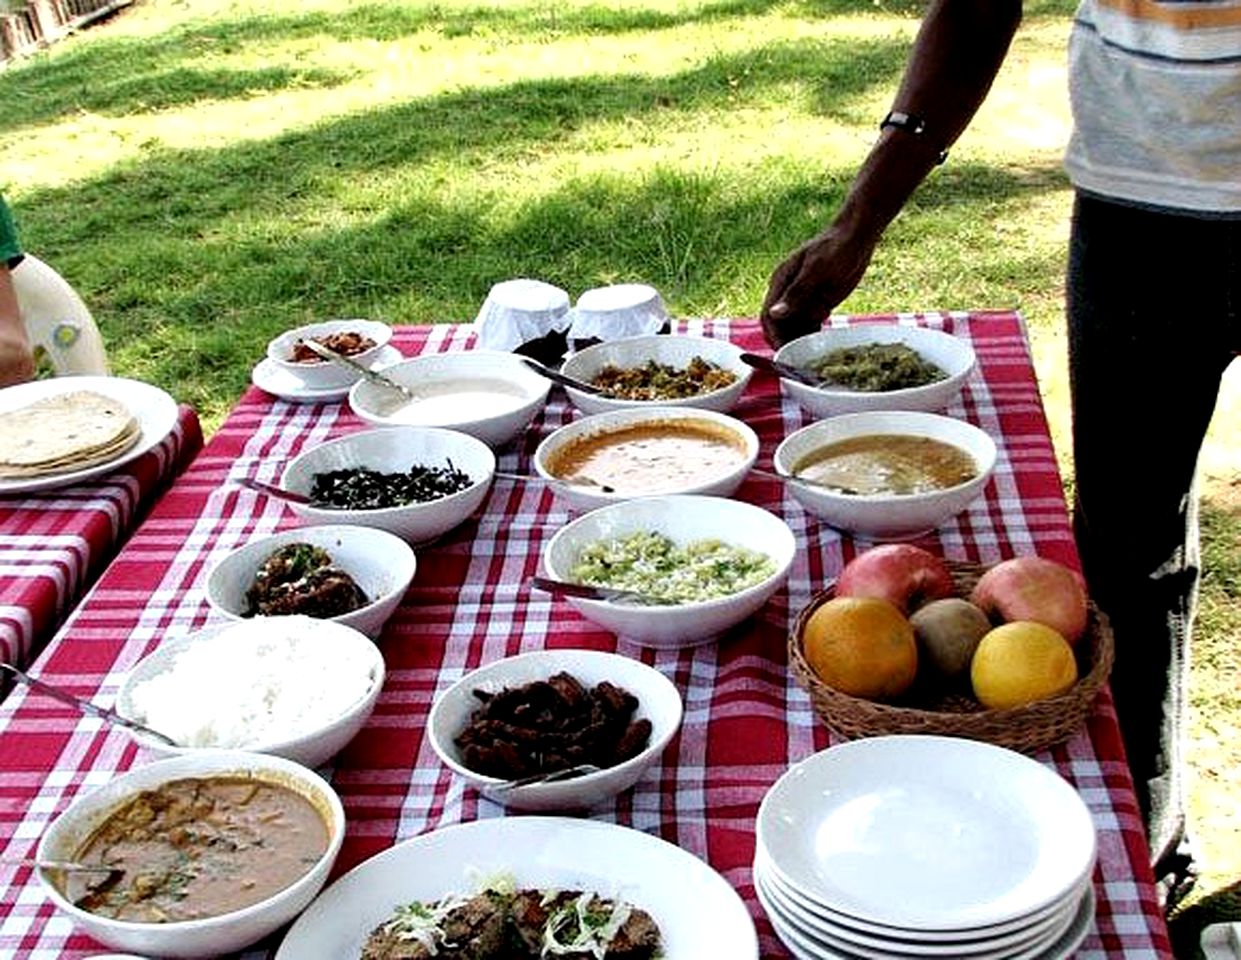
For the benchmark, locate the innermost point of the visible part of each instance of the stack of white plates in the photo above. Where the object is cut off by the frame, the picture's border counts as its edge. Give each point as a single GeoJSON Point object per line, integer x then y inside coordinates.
{"type": "Point", "coordinates": [919, 846]}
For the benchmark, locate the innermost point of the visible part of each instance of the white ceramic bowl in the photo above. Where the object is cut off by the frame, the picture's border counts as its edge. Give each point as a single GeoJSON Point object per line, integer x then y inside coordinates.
{"type": "Point", "coordinates": [951, 354]}
{"type": "Point", "coordinates": [326, 374]}
{"type": "Point", "coordinates": [381, 563]}
{"type": "Point", "coordinates": [666, 349]}
{"type": "Point", "coordinates": [338, 651]}
{"type": "Point", "coordinates": [436, 374]}
{"type": "Point", "coordinates": [397, 450]}
{"type": "Point", "coordinates": [684, 519]}
{"type": "Point", "coordinates": [658, 701]}
{"type": "Point", "coordinates": [213, 936]}
{"type": "Point", "coordinates": [583, 497]}
{"type": "Point", "coordinates": [887, 517]}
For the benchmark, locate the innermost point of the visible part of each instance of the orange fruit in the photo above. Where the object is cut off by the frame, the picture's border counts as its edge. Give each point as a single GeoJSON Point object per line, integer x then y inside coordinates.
{"type": "Point", "coordinates": [862, 646]}
{"type": "Point", "coordinates": [1021, 662]}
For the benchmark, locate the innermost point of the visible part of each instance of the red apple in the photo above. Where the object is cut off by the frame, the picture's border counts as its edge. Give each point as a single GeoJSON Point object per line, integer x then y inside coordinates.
{"type": "Point", "coordinates": [904, 575]}
{"type": "Point", "coordinates": [1034, 588]}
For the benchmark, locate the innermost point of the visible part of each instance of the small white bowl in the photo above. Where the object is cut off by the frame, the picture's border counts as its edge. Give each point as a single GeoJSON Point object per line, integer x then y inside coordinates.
{"type": "Point", "coordinates": [683, 519]}
{"type": "Point", "coordinates": [616, 311]}
{"type": "Point", "coordinates": [666, 349]}
{"type": "Point", "coordinates": [581, 497]}
{"type": "Point", "coordinates": [887, 517]}
{"type": "Point", "coordinates": [397, 450]}
{"type": "Point", "coordinates": [658, 701]}
{"type": "Point", "coordinates": [436, 374]}
{"type": "Point", "coordinates": [325, 374]}
{"type": "Point", "coordinates": [212, 936]}
{"type": "Point", "coordinates": [334, 646]}
{"type": "Point", "coordinates": [951, 354]}
{"type": "Point", "coordinates": [381, 563]}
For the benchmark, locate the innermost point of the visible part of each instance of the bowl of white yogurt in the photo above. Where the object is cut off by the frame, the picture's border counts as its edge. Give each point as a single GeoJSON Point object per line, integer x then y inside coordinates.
{"type": "Point", "coordinates": [294, 687]}
{"type": "Point", "coordinates": [489, 394]}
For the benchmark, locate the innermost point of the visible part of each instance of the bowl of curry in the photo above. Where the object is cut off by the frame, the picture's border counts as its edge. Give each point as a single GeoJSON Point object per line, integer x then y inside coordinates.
{"type": "Point", "coordinates": [654, 451]}
{"type": "Point", "coordinates": [887, 475]}
{"type": "Point", "coordinates": [199, 855]}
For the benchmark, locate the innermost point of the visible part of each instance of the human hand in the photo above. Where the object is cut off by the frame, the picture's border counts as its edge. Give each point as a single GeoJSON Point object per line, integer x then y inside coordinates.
{"type": "Point", "coordinates": [814, 279]}
{"type": "Point", "coordinates": [16, 360]}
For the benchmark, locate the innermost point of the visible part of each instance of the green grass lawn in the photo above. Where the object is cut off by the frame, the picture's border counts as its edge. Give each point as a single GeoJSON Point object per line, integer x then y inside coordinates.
{"type": "Point", "coordinates": [210, 172]}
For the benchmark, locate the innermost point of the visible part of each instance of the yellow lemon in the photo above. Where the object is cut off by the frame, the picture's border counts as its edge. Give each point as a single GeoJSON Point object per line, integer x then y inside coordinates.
{"type": "Point", "coordinates": [1021, 662]}
{"type": "Point", "coordinates": [862, 646]}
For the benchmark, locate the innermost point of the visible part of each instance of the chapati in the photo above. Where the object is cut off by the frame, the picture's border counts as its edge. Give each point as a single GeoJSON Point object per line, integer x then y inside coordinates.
{"type": "Point", "coordinates": [64, 432]}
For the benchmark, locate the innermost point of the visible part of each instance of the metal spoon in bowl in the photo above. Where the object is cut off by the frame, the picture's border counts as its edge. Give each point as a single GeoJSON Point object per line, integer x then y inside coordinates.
{"type": "Point", "coordinates": [366, 372]}
{"type": "Point", "coordinates": [589, 591]}
{"type": "Point", "coordinates": [806, 481]}
{"type": "Point", "coordinates": [280, 493]}
{"type": "Point", "coordinates": [111, 874]}
{"type": "Point", "coordinates": [561, 378]}
{"type": "Point", "coordinates": [785, 371]}
{"type": "Point", "coordinates": [552, 776]}
{"type": "Point", "coordinates": [576, 480]}
{"type": "Point", "coordinates": [103, 713]}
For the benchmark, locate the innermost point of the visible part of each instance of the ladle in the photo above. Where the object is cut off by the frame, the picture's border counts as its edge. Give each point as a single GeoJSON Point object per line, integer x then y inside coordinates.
{"type": "Point", "coordinates": [103, 713]}
{"type": "Point", "coordinates": [366, 372]}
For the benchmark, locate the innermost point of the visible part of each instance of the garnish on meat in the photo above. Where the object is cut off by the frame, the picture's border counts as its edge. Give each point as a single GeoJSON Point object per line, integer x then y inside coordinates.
{"type": "Point", "coordinates": [301, 578]}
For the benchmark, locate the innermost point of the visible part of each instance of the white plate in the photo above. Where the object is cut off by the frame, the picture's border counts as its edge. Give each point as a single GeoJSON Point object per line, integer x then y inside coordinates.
{"type": "Point", "coordinates": [287, 386]}
{"type": "Point", "coordinates": [699, 915]}
{"type": "Point", "coordinates": [154, 409]}
{"type": "Point", "coordinates": [803, 948]}
{"type": "Point", "coordinates": [1025, 940]}
{"type": "Point", "coordinates": [926, 833]}
{"type": "Point", "coordinates": [980, 940]}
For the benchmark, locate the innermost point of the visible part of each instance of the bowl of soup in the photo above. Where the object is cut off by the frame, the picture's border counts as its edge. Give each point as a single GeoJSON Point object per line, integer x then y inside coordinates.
{"type": "Point", "coordinates": [877, 367]}
{"type": "Point", "coordinates": [210, 853]}
{"type": "Point", "coordinates": [652, 451]}
{"type": "Point", "coordinates": [659, 370]}
{"type": "Point", "coordinates": [489, 394]}
{"type": "Point", "coordinates": [697, 565]}
{"type": "Point", "coordinates": [887, 475]}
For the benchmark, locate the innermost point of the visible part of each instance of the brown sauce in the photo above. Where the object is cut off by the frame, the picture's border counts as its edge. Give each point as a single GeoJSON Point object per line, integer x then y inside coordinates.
{"type": "Point", "coordinates": [891, 464]}
{"type": "Point", "coordinates": [651, 457]}
{"type": "Point", "coordinates": [199, 848]}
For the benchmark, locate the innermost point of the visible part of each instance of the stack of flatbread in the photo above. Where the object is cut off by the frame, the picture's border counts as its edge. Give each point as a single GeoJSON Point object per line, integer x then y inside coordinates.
{"type": "Point", "coordinates": [67, 432]}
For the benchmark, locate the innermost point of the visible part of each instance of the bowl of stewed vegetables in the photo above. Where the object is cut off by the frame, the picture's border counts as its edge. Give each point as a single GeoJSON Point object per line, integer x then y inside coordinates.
{"type": "Point", "coordinates": [664, 369]}
{"type": "Point", "coordinates": [688, 567]}
{"type": "Point", "coordinates": [416, 482]}
{"type": "Point", "coordinates": [877, 366]}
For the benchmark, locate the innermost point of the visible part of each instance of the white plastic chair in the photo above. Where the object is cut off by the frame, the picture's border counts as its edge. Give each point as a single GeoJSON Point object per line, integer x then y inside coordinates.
{"type": "Point", "coordinates": [57, 320]}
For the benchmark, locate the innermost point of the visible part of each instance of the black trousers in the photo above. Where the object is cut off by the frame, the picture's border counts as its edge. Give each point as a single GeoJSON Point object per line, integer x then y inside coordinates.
{"type": "Point", "coordinates": [1153, 316]}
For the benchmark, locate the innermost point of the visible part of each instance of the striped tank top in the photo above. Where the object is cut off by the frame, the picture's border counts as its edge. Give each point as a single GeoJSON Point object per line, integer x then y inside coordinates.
{"type": "Point", "coordinates": [1155, 87]}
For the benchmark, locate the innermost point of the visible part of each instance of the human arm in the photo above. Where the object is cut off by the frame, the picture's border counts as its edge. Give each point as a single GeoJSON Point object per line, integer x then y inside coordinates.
{"type": "Point", "coordinates": [16, 359]}
{"type": "Point", "coordinates": [957, 53]}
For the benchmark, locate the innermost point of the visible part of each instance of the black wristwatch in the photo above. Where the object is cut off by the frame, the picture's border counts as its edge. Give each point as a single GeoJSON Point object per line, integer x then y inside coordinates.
{"type": "Point", "coordinates": [910, 123]}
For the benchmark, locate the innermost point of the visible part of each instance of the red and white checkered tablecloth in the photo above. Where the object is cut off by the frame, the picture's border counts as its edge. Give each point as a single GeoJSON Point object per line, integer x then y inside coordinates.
{"type": "Point", "coordinates": [54, 544]}
{"type": "Point", "coordinates": [746, 718]}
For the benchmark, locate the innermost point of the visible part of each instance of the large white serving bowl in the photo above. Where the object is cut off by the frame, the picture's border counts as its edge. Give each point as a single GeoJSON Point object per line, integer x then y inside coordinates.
{"type": "Point", "coordinates": [212, 936]}
{"type": "Point", "coordinates": [335, 649]}
{"type": "Point", "coordinates": [667, 349]}
{"type": "Point", "coordinates": [326, 374]}
{"type": "Point", "coordinates": [381, 563]}
{"type": "Point", "coordinates": [658, 701]}
{"type": "Point", "coordinates": [951, 354]}
{"type": "Point", "coordinates": [432, 373]}
{"type": "Point", "coordinates": [581, 497]}
{"type": "Point", "coordinates": [397, 450]}
{"type": "Point", "coordinates": [892, 517]}
{"type": "Point", "coordinates": [683, 519]}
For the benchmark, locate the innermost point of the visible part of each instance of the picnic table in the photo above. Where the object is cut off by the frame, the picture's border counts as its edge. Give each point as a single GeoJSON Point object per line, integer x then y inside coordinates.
{"type": "Point", "coordinates": [746, 719]}
{"type": "Point", "coordinates": [54, 543]}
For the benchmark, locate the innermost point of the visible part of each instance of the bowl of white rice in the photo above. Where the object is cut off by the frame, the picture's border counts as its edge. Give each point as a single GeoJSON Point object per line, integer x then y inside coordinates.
{"type": "Point", "coordinates": [295, 687]}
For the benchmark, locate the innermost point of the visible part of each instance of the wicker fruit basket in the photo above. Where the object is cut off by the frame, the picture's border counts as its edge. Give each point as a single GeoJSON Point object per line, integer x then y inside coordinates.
{"type": "Point", "coordinates": [955, 712]}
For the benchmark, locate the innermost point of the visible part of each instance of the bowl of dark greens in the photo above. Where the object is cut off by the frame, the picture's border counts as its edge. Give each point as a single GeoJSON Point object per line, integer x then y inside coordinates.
{"type": "Point", "coordinates": [353, 575]}
{"type": "Point", "coordinates": [415, 482]}
{"type": "Point", "coordinates": [877, 366]}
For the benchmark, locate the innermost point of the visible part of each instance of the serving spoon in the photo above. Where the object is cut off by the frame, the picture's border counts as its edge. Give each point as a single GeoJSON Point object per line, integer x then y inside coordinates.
{"type": "Point", "coordinates": [561, 378]}
{"type": "Point", "coordinates": [807, 482]}
{"type": "Point", "coordinates": [366, 372]}
{"type": "Point", "coordinates": [103, 713]}
{"type": "Point", "coordinates": [551, 776]}
{"type": "Point", "coordinates": [577, 480]}
{"type": "Point", "coordinates": [588, 591]}
{"type": "Point", "coordinates": [786, 371]}
{"type": "Point", "coordinates": [111, 874]}
{"type": "Point", "coordinates": [280, 493]}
